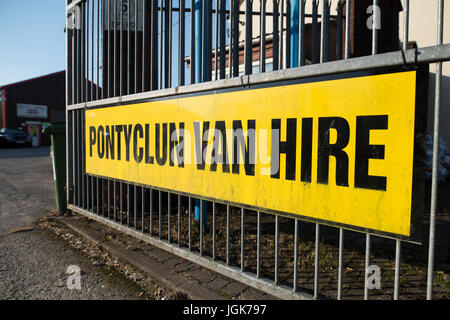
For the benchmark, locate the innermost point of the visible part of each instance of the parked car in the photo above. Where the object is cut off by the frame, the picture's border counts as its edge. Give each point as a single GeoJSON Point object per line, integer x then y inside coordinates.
{"type": "Point", "coordinates": [14, 137]}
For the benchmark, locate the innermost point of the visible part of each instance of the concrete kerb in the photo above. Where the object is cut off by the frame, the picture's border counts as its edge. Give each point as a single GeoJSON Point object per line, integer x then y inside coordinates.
{"type": "Point", "coordinates": [159, 272]}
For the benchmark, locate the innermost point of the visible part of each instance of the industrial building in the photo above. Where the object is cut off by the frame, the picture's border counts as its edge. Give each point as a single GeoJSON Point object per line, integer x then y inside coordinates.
{"type": "Point", "coordinates": [32, 104]}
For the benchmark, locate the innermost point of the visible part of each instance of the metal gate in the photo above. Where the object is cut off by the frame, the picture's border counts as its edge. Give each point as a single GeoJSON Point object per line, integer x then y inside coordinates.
{"type": "Point", "coordinates": [129, 51]}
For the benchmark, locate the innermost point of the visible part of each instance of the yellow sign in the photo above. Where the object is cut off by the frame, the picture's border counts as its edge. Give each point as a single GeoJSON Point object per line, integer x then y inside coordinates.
{"type": "Point", "coordinates": [338, 152]}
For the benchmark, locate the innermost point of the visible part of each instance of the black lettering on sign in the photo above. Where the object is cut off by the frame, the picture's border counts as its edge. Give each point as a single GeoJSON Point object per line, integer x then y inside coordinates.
{"type": "Point", "coordinates": [101, 144]}
{"type": "Point", "coordinates": [127, 135]}
{"type": "Point", "coordinates": [201, 141]}
{"type": "Point", "coordinates": [161, 160]}
{"type": "Point", "coordinates": [119, 140]}
{"type": "Point", "coordinates": [306, 159]}
{"type": "Point", "coordinates": [288, 147]}
{"type": "Point", "coordinates": [325, 149]}
{"type": "Point", "coordinates": [110, 142]}
{"type": "Point", "coordinates": [148, 158]}
{"type": "Point", "coordinates": [138, 152]}
{"type": "Point", "coordinates": [92, 139]}
{"type": "Point", "coordinates": [247, 150]}
{"type": "Point", "coordinates": [216, 155]}
{"type": "Point", "coordinates": [176, 143]}
{"type": "Point", "coordinates": [365, 151]}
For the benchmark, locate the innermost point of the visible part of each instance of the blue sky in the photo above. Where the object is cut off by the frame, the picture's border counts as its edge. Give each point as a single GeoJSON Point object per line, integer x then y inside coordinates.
{"type": "Point", "coordinates": [32, 38]}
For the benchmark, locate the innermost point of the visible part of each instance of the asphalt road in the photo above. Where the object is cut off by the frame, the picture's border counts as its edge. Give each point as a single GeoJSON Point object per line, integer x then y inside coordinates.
{"type": "Point", "coordinates": [33, 264]}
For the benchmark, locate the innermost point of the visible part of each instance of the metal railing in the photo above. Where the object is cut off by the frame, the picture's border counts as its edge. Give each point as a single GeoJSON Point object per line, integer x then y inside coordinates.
{"type": "Point", "coordinates": [153, 49]}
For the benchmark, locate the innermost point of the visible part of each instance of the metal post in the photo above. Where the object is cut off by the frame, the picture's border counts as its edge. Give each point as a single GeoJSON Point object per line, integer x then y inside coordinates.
{"type": "Point", "coordinates": [316, 262]}
{"type": "Point", "coordinates": [301, 33]}
{"type": "Point", "coordinates": [258, 247]}
{"type": "Point", "coordinates": [294, 26]}
{"type": "Point", "coordinates": [242, 240]}
{"type": "Point", "coordinates": [277, 245]}
{"type": "Point", "coordinates": [262, 36]}
{"type": "Point", "coordinates": [295, 281]}
{"type": "Point", "coordinates": [434, 181]}
{"type": "Point", "coordinates": [228, 236]}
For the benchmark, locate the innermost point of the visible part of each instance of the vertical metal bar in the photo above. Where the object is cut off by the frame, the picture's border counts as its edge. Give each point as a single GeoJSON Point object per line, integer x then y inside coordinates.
{"type": "Point", "coordinates": [203, 42]}
{"type": "Point", "coordinates": [109, 198]}
{"type": "Point", "coordinates": [192, 41]}
{"type": "Point", "coordinates": [248, 37]}
{"type": "Point", "coordinates": [287, 51]}
{"type": "Point", "coordinates": [169, 46]}
{"type": "Point", "coordinates": [316, 262]}
{"type": "Point", "coordinates": [301, 33]}
{"type": "Point", "coordinates": [348, 4]}
{"type": "Point", "coordinates": [315, 5]}
{"type": "Point", "coordinates": [324, 32]}
{"type": "Point", "coordinates": [367, 263]}
{"type": "Point", "coordinates": [398, 248]}
{"type": "Point", "coordinates": [281, 48]}
{"type": "Point", "coordinates": [128, 205]}
{"type": "Point", "coordinates": [181, 44]}
{"type": "Point", "coordinates": [201, 228]}
{"type": "Point", "coordinates": [277, 247]}
{"type": "Point", "coordinates": [208, 46]}
{"type": "Point", "coordinates": [115, 48]}
{"type": "Point", "coordinates": [103, 198]}
{"type": "Point", "coordinates": [82, 159]}
{"type": "Point", "coordinates": [98, 200]}
{"type": "Point", "coordinates": [216, 43]}
{"type": "Point", "coordinates": [339, 30]}
{"type": "Point", "coordinates": [406, 24]}
{"type": "Point", "coordinates": [97, 95]}
{"type": "Point", "coordinates": [340, 263]}
{"type": "Point", "coordinates": [214, 230]}
{"type": "Point", "coordinates": [136, 3]}
{"type": "Point", "coordinates": [228, 236]}
{"type": "Point", "coordinates": [135, 207]}
{"type": "Point", "coordinates": [151, 211]}
{"type": "Point", "coordinates": [154, 47]}
{"type": "Point", "coordinates": [235, 33]}
{"type": "Point", "coordinates": [160, 213]}
{"type": "Point", "coordinates": [144, 47]}
{"type": "Point", "coordinates": [374, 27]}
{"type": "Point", "coordinates": [295, 280]}
{"type": "Point", "coordinates": [190, 219]}
{"type": "Point", "coordinates": [434, 181]}
{"type": "Point", "coordinates": [275, 39]}
{"type": "Point", "coordinates": [92, 194]}
{"type": "Point", "coordinates": [121, 59]}
{"type": "Point", "coordinates": [79, 56]}
{"type": "Point", "coordinates": [88, 197]}
{"type": "Point", "coordinates": [128, 47]}
{"type": "Point", "coordinates": [108, 53]}
{"type": "Point", "coordinates": [142, 209]}
{"type": "Point", "coordinates": [114, 201]}
{"type": "Point", "coordinates": [230, 48]}
{"type": "Point", "coordinates": [222, 39]}
{"type": "Point", "coordinates": [242, 240]}
{"type": "Point", "coordinates": [121, 202]}
{"type": "Point", "coordinates": [75, 158]}
{"type": "Point", "coordinates": [398, 244]}
{"type": "Point", "coordinates": [179, 220]}
{"type": "Point", "coordinates": [87, 53]}
{"type": "Point", "coordinates": [161, 44]}
{"type": "Point", "coordinates": [262, 36]}
{"type": "Point", "coordinates": [168, 218]}
{"type": "Point", "coordinates": [258, 246]}
{"type": "Point", "coordinates": [92, 51]}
